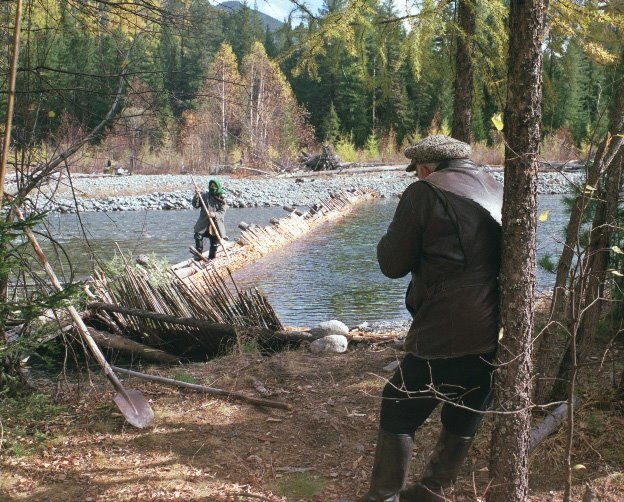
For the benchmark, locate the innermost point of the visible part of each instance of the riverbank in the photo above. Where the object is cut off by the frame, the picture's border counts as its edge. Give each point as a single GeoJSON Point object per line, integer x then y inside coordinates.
{"type": "Point", "coordinates": [169, 192]}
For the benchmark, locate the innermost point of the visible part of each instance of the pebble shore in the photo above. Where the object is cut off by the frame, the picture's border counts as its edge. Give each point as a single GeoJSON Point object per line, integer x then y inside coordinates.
{"type": "Point", "coordinates": [170, 192]}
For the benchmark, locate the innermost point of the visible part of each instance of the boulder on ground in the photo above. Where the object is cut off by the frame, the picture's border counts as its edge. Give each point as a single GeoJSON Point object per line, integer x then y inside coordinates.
{"type": "Point", "coordinates": [327, 328]}
{"type": "Point", "coordinates": [331, 343]}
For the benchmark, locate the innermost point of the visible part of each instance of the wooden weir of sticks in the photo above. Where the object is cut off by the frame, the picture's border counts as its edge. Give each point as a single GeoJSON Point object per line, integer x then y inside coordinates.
{"type": "Point", "coordinates": [194, 311]}
{"type": "Point", "coordinates": [255, 241]}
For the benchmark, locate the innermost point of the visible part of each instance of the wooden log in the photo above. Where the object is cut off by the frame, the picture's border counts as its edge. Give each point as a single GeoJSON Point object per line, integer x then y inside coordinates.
{"type": "Point", "coordinates": [123, 344]}
{"type": "Point", "coordinates": [373, 338]}
{"type": "Point", "coordinates": [550, 424]}
{"type": "Point", "coordinates": [207, 390]}
{"type": "Point", "coordinates": [218, 329]}
{"type": "Point", "coordinates": [294, 210]}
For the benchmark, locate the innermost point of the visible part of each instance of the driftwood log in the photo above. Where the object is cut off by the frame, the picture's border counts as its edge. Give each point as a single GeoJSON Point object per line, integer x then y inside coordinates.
{"type": "Point", "coordinates": [207, 390]}
{"type": "Point", "coordinates": [208, 328]}
{"type": "Point", "coordinates": [550, 424]}
{"type": "Point", "coordinates": [136, 349]}
{"type": "Point", "coordinates": [326, 160]}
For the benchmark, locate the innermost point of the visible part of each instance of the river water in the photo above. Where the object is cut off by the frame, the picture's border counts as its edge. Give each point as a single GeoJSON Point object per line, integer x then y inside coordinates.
{"type": "Point", "coordinates": [330, 273]}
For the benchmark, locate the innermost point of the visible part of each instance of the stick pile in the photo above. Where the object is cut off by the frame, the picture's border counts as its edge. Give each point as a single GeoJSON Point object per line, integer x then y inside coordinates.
{"type": "Point", "coordinates": [156, 305]}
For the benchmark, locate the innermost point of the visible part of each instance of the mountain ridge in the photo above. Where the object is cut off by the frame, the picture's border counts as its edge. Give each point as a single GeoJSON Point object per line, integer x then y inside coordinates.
{"type": "Point", "coordinates": [266, 20]}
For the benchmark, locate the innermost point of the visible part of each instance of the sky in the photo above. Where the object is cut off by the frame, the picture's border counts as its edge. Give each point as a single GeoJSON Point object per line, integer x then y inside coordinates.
{"type": "Point", "coordinates": [279, 9]}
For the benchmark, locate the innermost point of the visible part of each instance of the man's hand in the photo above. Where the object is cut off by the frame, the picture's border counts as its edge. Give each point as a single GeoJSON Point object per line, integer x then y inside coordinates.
{"type": "Point", "coordinates": [197, 192]}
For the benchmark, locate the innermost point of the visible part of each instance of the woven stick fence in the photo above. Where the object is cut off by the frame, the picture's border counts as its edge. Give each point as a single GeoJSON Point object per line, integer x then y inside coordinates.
{"type": "Point", "coordinates": [255, 241]}
{"type": "Point", "coordinates": [161, 292]}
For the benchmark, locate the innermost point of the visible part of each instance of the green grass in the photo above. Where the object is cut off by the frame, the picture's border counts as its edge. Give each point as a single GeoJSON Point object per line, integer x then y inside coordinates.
{"type": "Point", "coordinates": [183, 376]}
{"type": "Point", "coordinates": [302, 485]}
{"type": "Point", "coordinates": [26, 423]}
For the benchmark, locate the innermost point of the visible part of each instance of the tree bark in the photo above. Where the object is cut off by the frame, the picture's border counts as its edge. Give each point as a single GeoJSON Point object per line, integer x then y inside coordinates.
{"type": "Point", "coordinates": [464, 73]}
{"type": "Point", "coordinates": [561, 311]}
{"type": "Point", "coordinates": [589, 290]}
{"type": "Point", "coordinates": [511, 434]}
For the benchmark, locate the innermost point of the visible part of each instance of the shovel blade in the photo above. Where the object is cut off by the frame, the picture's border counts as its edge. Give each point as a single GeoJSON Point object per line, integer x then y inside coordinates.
{"type": "Point", "coordinates": [135, 408]}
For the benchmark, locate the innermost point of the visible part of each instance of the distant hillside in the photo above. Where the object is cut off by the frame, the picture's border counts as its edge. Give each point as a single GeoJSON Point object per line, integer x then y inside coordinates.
{"type": "Point", "coordinates": [267, 20]}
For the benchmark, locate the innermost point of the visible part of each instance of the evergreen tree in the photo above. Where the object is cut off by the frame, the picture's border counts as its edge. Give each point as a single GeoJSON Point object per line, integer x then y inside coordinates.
{"type": "Point", "coordinates": [241, 29]}
{"type": "Point", "coordinates": [331, 126]}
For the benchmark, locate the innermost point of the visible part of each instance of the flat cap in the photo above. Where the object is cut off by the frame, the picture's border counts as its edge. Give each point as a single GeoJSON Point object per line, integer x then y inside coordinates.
{"type": "Point", "coordinates": [436, 149]}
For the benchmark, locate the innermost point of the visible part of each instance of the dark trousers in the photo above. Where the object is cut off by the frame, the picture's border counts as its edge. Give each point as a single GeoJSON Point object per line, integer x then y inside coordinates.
{"type": "Point", "coordinates": [199, 243]}
{"type": "Point", "coordinates": [462, 384]}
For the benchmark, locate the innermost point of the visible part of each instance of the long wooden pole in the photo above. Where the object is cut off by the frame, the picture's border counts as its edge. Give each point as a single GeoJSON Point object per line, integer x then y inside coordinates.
{"type": "Point", "coordinates": [210, 220]}
{"type": "Point", "coordinates": [207, 390]}
{"type": "Point", "coordinates": [8, 123]}
{"type": "Point", "coordinates": [141, 411]}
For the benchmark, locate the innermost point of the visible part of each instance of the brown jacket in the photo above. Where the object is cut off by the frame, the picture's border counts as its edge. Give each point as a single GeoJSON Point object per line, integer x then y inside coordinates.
{"type": "Point", "coordinates": [452, 247]}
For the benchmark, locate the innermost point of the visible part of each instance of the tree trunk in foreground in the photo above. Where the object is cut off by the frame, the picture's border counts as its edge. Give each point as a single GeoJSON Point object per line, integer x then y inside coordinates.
{"type": "Point", "coordinates": [511, 435]}
{"type": "Point", "coordinates": [462, 101]}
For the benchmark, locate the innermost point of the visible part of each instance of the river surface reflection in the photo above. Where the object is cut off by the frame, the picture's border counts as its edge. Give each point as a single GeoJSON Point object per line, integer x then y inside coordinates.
{"type": "Point", "coordinates": [331, 273]}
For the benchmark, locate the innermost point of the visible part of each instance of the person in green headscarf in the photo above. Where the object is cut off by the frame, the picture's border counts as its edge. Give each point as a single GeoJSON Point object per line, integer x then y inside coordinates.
{"type": "Point", "coordinates": [215, 203]}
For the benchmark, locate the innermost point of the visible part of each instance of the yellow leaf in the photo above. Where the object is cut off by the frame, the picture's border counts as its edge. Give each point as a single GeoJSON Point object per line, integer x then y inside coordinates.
{"type": "Point", "coordinates": [589, 189]}
{"type": "Point", "coordinates": [544, 215]}
{"type": "Point", "coordinates": [51, 114]}
{"type": "Point", "coordinates": [617, 250]}
{"type": "Point", "coordinates": [579, 467]}
{"type": "Point", "coordinates": [500, 334]}
{"type": "Point", "coordinates": [617, 272]}
{"type": "Point", "coordinates": [497, 120]}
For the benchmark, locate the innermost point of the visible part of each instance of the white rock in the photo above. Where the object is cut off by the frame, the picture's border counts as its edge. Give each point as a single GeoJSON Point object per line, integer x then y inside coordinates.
{"type": "Point", "coordinates": [332, 327]}
{"type": "Point", "coordinates": [331, 343]}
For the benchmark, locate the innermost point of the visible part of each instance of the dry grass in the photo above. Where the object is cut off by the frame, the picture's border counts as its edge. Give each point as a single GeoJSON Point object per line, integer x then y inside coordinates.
{"type": "Point", "coordinates": [202, 448]}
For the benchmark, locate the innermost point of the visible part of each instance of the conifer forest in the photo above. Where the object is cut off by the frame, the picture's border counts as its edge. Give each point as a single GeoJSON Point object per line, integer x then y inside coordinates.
{"type": "Point", "coordinates": [215, 85]}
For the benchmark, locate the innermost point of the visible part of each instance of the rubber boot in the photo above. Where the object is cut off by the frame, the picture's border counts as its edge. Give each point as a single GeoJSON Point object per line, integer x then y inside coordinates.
{"type": "Point", "coordinates": [441, 470]}
{"type": "Point", "coordinates": [390, 467]}
{"type": "Point", "coordinates": [212, 251]}
{"type": "Point", "coordinates": [199, 246]}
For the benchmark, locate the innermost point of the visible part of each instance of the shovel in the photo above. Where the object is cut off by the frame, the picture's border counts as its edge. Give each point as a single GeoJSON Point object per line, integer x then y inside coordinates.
{"type": "Point", "coordinates": [131, 403]}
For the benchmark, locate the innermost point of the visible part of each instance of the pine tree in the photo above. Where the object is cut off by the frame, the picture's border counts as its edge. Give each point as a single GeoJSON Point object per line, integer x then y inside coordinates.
{"type": "Point", "coordinates": [331, 126]}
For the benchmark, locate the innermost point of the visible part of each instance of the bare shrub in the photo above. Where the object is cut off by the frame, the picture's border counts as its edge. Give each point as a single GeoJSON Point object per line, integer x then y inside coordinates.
{"type": "Point", "coordinates": [494, 155]}
{"type": "Point", "coordinates": [559, 146]}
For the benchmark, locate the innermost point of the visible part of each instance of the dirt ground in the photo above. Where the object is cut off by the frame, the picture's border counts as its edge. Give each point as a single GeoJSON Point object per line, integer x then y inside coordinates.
{"type": "Point", "coordinates": [205, 448]}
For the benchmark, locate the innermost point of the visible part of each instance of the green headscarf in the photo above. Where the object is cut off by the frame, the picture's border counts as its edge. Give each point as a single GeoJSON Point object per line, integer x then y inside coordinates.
{"type": "Point", "coordinates": [218, 190]}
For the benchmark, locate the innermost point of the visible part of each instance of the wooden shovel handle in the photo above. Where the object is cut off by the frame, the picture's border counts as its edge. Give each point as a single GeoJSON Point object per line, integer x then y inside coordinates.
{"type": "Point", "coordinates": [80, 325]}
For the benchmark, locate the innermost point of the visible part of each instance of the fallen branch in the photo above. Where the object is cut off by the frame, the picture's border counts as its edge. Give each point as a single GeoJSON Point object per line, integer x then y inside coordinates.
{"type": "Point", "coordinates": [549, 425]}
{"type": "Point", "coordinates": [207, 390]}
{"type": "Point", "coordinates": [374, 338]}
{"type": "Point", "coordinates": [123, 344]}
{"type": "Point", "coordinates": [215, 328]}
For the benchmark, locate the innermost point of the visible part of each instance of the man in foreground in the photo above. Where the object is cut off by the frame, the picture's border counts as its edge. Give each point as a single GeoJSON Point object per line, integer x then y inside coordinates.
{"type": "Point", "coordinates": [446, 232]}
